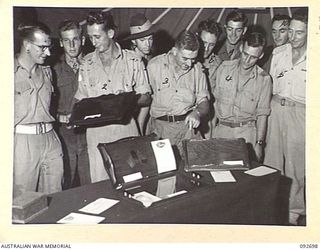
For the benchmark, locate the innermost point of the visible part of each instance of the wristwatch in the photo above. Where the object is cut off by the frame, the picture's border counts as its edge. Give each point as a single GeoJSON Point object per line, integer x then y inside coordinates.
{"type": "Point", "coordinates": [260, 142]}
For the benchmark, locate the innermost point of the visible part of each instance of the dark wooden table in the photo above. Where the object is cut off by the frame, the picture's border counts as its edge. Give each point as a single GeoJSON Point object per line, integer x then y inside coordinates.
{"type": "Point", "coordinates": [249, 200]}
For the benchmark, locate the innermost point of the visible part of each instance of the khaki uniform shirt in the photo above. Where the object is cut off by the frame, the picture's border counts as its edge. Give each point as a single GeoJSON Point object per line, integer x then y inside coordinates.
{"type": "Point", "coordinates": [175, 94]}
{"type": "Point", "coordinates": [289, 80]}
{"type": "Point", "coordinates": [241, 101]}
{"type": "Point", "coordinates": [125, 75]}
{"type": "Point", "coordinates": [32, 94]}
{"type": "Point", "coordinates": [211, 65]}
{"type": "Point", "coordinates": [144, 61]}
{"type": "Point", "coordinates": [67, 83]}
{"type": "Point", "coordinates": [224, 54]}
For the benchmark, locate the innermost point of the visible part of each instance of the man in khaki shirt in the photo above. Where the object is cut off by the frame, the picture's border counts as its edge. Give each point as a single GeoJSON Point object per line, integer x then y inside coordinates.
{"type": "Point", "coordinates": [235, 28]}
{"type": "Point", "coordinates": [242, 96]}
{"type": "Point", "coordinates": [141, 36]}
{"type": "Point", "coordinates": [76, 160]}
{"type": "Point", "coordinates": [109, 70]}
{"type": "Point", "coordinates": [279, 31]}
{"type": "Point", "coordinates": [180, 93]}
{"type": "Point", "coordinates": [37, 161]}
{"type": "Point", "coordinates": [209, 32]}
{"type": "Point", "coordinates": [285, 148]}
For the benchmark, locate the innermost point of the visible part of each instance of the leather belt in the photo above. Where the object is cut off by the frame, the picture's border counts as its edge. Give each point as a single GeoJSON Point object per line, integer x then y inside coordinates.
{"type": "Point", "coordinates": [287, 102]}
{"type": "Point", "coordinates": [172, 118]}
{"type": "Point", "coordinates": [235, 124]}
{"type": "Point", "coordinates": [63, 118]}
{"type": "Point", "coordinates": [33, 129]}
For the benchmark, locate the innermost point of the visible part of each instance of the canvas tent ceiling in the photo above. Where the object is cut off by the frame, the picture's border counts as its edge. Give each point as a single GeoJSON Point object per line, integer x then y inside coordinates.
{"type": "Point", "coordinates": [171, 21]}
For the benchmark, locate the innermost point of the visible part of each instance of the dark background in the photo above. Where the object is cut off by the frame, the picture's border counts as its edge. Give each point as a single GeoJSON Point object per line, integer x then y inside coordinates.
{"type": "Point", "coordinates": [170, 25]}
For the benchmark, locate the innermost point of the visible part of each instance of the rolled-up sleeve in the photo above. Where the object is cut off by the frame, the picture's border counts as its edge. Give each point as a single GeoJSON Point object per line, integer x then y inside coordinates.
{"type": "Point", "coordinates": [263, 107]}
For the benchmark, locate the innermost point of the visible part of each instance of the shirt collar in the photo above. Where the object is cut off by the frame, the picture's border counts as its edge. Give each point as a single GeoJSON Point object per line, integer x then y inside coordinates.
{"type": "Point", "coordinates": [116, 51]}
{"type": "Point", "coordinates": [17, 65]}
{"type": "Point", "coordinates": [301, 59]}
{"type": "Point", "coordinates": [72, 60]}
{"type": "Point", "coordinates": [254, 72]}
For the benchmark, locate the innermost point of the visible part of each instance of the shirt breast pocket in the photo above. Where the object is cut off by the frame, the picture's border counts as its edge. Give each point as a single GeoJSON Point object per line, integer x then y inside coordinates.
{"type": "Point", "coordinates": [247, 103]}
{"type": "Point", "coordinates": [64, 82]}
{"type": "Point", "coordinates": [22, 99]}
{"type": "Point", "coordinates": [161, 90]}
{"type": "Point", "coordinates": [299, 84]}
{"type": "Point", "coordinates": [185, 96]}
{"type": "Point", "coordinates": [225, 91]}
{"type": "Point", "coordinates": [22, 88]}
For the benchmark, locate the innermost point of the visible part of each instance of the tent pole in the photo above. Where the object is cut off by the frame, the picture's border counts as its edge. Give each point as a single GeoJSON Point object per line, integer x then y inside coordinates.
{"type": "Point", "coordinates": [194, 19]}
{"type": "Point", "coordinates": [220, 15]}
{"type": "Point", "coordinates": [289, 12]}
{"type": "Point", "coordinates": [271, 13]}
{"type": "Point", "coordinates": [255, 19]}
{"type": "Point", "coordinates": [159, 17]}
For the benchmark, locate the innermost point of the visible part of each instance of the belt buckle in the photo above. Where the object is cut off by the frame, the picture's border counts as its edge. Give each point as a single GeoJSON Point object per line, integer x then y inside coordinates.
{"type": "Point", "coordinates": [38, 128]}
{"type": "Point", "coordinates": [241, 124]}
{"type": "Point", "coordinates": [283, 102]}
{"type": "Point", "coordinates": [171, 118]}
{"type": "Point", "coordinates": [42, 128]}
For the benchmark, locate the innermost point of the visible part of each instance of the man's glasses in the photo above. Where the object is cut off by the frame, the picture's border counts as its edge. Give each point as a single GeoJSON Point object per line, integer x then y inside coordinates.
{"type": "Point", "coordinates": [43, 47]}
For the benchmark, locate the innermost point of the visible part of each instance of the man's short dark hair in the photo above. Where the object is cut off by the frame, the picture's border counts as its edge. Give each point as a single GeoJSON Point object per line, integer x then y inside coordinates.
{"type": "Point", "coordinates": [236, 16]}
{"type": "Point", "coordinates": [99, 17]}
{"type": "Point", "coordinates": [301, 15]}
{"type": "Point", "coordinates": [26, 31]}
{"type": "Point", "coordinates": [211, 26]}
{"type": "Point", "coordinates": [279, 17]}
{"type": "Point", "coordinates": [69, 25]}
{"type": "Point", "coordinates": [187, 40]}
{"type": "Point", "coordinates": [255, 39]}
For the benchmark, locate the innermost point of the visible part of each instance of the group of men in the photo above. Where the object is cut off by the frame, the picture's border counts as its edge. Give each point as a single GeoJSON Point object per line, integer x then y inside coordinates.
{"type": "Point", "coordinates": [192, 91]}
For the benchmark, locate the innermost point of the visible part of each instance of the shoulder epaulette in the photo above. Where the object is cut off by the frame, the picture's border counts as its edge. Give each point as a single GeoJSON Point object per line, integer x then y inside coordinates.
{"type": "Point", "coordinates": [88, 56]}
{"type": "Point", "coordinates": [262, 72]}
{"type": "Point", "coordinates": [280, 49]}
{"type": "Point", "coordinates": [131, 55]}
{"type": "Point", "coordinates": [129, 52]}
{"type": "Point", "coordinates": [156, 58]}
{"type": "Point", "coordinates": [230, 62]}
{"type": "Point", "coordinates": [87, 59]}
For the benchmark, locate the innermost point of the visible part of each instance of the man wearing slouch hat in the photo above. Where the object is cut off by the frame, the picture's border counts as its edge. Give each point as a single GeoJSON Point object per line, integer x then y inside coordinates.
{"type": "Point", "coordinates": [141, 36]}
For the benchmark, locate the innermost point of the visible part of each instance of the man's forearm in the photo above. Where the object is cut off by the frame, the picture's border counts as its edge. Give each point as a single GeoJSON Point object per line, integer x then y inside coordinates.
{"type": "Point", "coordinates": [144, 100]}
{"type": "Point", "coordinates": [143, 114]}
{"type": "Point", "coordinates": [202, 108]}
{"type": "Point", "coordinates": [261, 127]}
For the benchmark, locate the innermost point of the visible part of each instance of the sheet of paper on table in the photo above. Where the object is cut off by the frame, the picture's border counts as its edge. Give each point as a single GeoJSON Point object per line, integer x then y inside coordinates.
{"type": "Point", "coordinates": [222, 176]}
{"type": "Point", "coordinates": [98, 206]}
{"type": "Point", "coordinates": [166, 187]}
{"type": "Point", "coordinates": [145, 198]}
{"type": "Point", "coordinates": [132, 177]}
{"type": "Point", "coordinates": [232, 163]}
{"type": "Point", "coordinates": [75, 218]}
{"type": "Point", "coordinates": [260, 171]}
